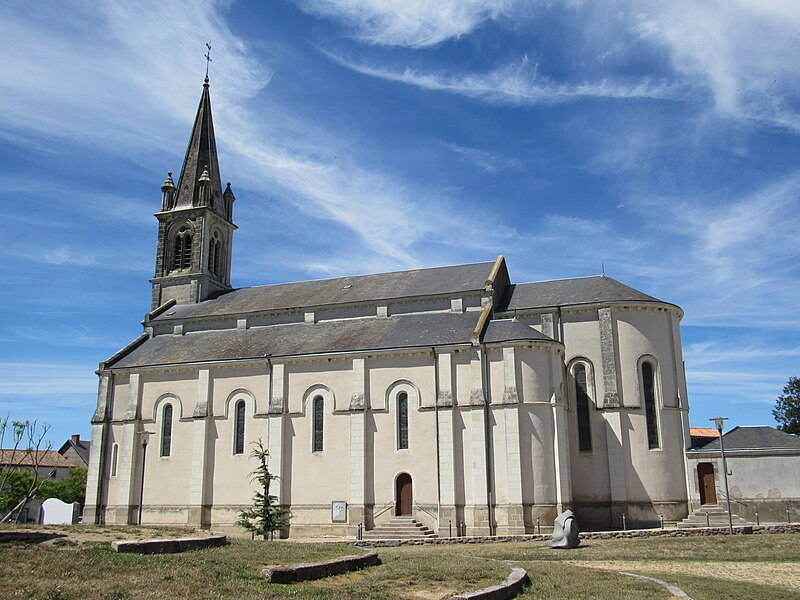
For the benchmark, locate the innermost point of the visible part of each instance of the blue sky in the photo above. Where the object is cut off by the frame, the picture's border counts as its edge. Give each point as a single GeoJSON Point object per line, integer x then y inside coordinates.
{"type": "Point", "coordinates": [659, 139]}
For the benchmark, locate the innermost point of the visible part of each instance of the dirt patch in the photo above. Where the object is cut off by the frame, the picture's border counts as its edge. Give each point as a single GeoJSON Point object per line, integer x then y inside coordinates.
{"type": "Point", "coordinates": [432, 594]}
{"type": "Point", "coordinates": [338, 580]}
{"type": "Point", "coordinates": [75, 535]}
{"type": "Point", "coordinates": [783, 574]}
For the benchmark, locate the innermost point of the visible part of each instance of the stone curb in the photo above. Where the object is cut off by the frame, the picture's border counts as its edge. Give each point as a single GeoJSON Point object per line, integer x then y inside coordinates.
{"type": "Point", "coordinates": [512, 586]}
{"type": "Point", "coordinates": [168, 546]}
{"type": "Point", "coordinates": [590, 535]}
{"type": "Point", "coordinates": [337, 566]}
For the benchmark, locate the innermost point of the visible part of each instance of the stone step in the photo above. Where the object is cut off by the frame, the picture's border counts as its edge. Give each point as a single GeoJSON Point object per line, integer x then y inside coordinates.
{"type": "Point", "coordinates": [370, 535]}
{"type": "Point", "coordinates": [391, 532]}
{"type": "Point", "coordinates": [711, 516]}
{"type": "Point", "coordinates": [399, 528]}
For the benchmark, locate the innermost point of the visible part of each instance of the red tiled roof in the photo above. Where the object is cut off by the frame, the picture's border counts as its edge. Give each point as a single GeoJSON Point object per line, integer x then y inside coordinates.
{"type": "Point", "coordinates": [25, 458]}
{"type": "Point", "coordinates": [703, 432]}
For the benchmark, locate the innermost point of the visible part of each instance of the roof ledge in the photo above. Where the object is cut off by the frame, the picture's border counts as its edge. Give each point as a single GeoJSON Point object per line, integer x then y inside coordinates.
{"type": "Point", "coordinates": [159, 311]}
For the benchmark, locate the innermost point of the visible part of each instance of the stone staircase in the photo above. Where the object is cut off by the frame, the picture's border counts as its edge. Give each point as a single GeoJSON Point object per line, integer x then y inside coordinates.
{"type": "Point", "coordinates": [717, 517]}
{"type": "Point", "coordinates": [399, 528]}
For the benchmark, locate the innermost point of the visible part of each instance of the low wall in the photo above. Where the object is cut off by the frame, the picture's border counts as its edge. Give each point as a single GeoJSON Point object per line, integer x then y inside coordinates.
{"type": "Point", "coordinates": [591, 535]}
{"type": "Point", "coordinates": [512, 586]}
{"type": "Point", "coordinates": [307, 572]}
{"type": "Point", "coordinates": [168, 546]}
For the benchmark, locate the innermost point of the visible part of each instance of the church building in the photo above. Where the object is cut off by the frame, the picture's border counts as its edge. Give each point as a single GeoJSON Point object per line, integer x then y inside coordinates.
{"type": "Point", "coordinates": [449, 394]}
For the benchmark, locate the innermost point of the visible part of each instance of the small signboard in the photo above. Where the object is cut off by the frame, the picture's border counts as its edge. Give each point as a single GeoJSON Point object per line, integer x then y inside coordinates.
{"type": "Point", "coordinates": [339, 511]}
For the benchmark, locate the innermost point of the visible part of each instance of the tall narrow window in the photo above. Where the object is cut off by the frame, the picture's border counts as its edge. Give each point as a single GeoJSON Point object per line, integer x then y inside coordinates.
{"type": "Point", "coordinates": [649, 385]}
{"type": "Point", "coordinates": [582, 409]}
{"type": "Point", "coordinates": [114, 453]}
{"type": "Point", "coordinates": [211, 257]}
{"type": "Point", "coordinates": [402, 421]}
{"type": "Point", "coordinates": [182, 250]}
{"type": "Point", "coordinates": [238, 436]}
{"type": "Point", "coordinates": [319, 416]}
{"type": "Point", "coordinates": [166, 431]}
{"type": "Point", "coordinates": [214, 251]}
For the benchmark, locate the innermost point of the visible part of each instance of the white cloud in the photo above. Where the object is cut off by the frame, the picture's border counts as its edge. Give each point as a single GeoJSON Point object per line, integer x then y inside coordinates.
{"type": "Point", "coordinates": [516, 84]}
{"type": "Point", "coordinates": [411, 23]}
{"type": "Point", "coordinates": [747, 52]}
{"type": "Point", "coordinates": [133, 97]}
{"type": "Point", "coordinates": [44, 379]}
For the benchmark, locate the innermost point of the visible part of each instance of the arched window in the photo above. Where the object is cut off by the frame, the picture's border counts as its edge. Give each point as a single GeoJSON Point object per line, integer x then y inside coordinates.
{"type": "Point", "coordinates": [114, 455]}
{"type": "Point", "coordinates": [582, 401]}
{"type": "Point", "coordinates": [214, 254]}
{"type": "Point", "coordinates": [238, 434]}
{"type": "Point", "coordinates": [402, 421]}
{"type": "Point", "coordinates": [182, 250]}
{"type": "Point", "coordinates": [166, 430]}
{"type": "Point", "coordinates": [649, 389]}
{"type": "Point", "coordinates": [319, 417]}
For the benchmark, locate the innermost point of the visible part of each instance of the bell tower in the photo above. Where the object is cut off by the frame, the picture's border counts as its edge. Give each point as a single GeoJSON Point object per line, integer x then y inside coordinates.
{"type": "Point", "coordinates": [195, 224]}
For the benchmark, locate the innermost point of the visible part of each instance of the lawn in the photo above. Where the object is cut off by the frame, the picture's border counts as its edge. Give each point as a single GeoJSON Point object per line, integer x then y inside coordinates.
{"type": "Point", "coordinates": [66, 568]}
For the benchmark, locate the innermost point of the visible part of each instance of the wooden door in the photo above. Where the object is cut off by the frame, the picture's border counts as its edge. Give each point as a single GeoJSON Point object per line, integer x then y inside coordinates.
{"type": "Point", "coordinates": [708, 484]}
{"type": "Point", "coordinates": [404, 496]}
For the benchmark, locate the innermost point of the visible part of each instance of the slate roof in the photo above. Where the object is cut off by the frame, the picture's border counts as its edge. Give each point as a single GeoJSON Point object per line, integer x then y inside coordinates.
{"type": "Point", "coordinates": [755, 437]}
{"type": "Point", "coordinates": [297, 339]}
{"type": "Point", "coordinates": [567, 292]}
{"type": "Point", "coordinates": [23, 458]}
{"type": "Point", "coordinates": [341, 290]}
{"type": "Point", "coordinates": [82, 449]}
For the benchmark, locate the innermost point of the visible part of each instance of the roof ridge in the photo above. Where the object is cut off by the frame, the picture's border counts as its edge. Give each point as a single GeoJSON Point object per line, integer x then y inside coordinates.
{"type": "Point", "coordinates": [488, 262]}
{"type": "Point", "coordinates": [569, 279]}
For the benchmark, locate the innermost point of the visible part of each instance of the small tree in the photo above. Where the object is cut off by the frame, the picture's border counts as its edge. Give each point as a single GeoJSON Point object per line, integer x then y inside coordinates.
{"type": "Point", "coordinates": [787, 407]}
{"type": "Point", "coordinates": [28, 452]}
{"type": "Point", "coordinates": [266, 516]}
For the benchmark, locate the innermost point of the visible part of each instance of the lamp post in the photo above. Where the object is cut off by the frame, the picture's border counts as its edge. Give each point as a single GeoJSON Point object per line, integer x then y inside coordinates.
{"type": "Point", "coordinates": [719, 421]}
{"type": "Point", "coordinates": [145, 440]}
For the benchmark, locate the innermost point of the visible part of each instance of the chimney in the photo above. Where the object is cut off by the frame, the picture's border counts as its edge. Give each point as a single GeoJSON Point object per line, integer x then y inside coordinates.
{"type": "Point", "coordinates": [76, 438]}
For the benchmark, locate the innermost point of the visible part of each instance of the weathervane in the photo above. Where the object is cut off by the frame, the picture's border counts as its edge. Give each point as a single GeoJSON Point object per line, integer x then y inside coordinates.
{"type": "Point", "coordinates": [208, 58]}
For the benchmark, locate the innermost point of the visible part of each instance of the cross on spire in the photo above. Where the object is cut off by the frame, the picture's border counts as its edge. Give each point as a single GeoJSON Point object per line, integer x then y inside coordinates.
{"type": "Point", "coordinates": [208, 58]}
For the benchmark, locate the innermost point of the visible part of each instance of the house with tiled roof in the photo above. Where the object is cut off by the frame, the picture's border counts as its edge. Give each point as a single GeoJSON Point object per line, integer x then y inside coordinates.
{"type": "Point", "coordinates": [76, 451]}
{"type": "Point", "coordinates": [47, 463]}
{"type": "Point", "coordinates": [763, 474]}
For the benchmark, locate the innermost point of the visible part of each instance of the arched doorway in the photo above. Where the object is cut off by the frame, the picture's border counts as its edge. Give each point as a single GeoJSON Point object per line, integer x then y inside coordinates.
{"type": "Point", "coordinates": [404, 495]}
{"type": "Point", "coordinates": [708, 485]}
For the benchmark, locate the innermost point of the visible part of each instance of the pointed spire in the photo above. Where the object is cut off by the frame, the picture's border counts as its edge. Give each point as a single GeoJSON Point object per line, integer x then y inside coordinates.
{"type": "Point", "coordinates": [167, 192]}
{"type": "Point", "coordinates": [201, 160]}
{"type": "Point", "coordinates": [228, 200]}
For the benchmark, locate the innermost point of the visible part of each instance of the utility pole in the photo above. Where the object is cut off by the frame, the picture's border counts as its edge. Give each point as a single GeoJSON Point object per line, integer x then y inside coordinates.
{"type": "Point", "coordinates": [145, 439]}
{"type": "Point", "coordinates": [719, 421]}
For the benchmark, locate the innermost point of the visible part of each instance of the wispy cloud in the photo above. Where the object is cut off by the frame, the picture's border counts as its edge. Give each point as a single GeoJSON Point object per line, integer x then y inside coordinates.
{"type": "Point", "coordinates": [315, 170]}
{"type": "Point", "coordinates": [489, 162]}
{"type": "Point", "coordinates": [414, 24]}
{"type": "Point", "coordinates": [44, 379]}
{"type": "Point", "coordinates": [515, 84]}
{"type": "Point", "coordinates": [746, 52]}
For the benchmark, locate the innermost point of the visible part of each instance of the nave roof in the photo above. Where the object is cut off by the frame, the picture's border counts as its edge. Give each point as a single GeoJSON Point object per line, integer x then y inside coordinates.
{"type": "Point", "coordinates": [570, 292]}
{"type": "Point", "coordinates": [340, 290]}
{"type": "Point", "coordinates": [347, 335]}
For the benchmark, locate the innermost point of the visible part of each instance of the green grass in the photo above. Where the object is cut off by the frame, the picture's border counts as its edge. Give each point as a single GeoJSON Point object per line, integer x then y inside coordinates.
{"type": "Point", "coordinates": [66, 571]}
{"type": "Point", "coordinates": [749, 548]}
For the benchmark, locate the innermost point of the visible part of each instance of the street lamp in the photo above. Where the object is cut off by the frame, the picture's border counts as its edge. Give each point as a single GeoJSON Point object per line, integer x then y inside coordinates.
{"type": "Point", "coordinates": [145, 439]}
{"type": "Point", "coordinates": [719, 423]}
